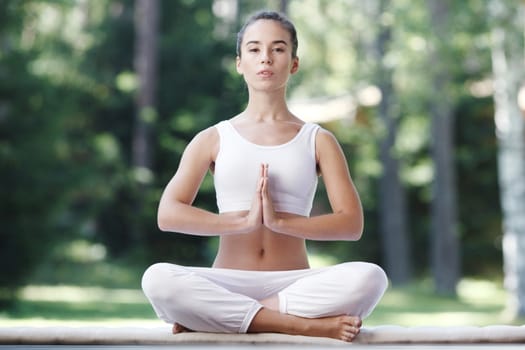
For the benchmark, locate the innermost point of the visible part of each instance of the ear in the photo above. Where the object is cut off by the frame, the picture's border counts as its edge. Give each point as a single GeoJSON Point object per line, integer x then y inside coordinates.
{"type": "Point", "coordinates": [295, 65]}
{"type": "Point", "coordinates": [238, 65]}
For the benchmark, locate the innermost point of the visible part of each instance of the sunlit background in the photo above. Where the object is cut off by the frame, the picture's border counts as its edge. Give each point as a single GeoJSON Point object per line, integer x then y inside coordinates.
{"type": "Point", "coordinates": [98, 99]}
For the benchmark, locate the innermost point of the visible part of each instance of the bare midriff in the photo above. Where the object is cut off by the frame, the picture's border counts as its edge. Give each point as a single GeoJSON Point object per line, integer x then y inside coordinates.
{"type": "Point", "coordinates": [261, 250]}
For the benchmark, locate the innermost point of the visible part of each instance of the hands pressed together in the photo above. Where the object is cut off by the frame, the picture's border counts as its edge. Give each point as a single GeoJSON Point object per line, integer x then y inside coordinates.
{"type": "Point", "coordinates": [262, 212]}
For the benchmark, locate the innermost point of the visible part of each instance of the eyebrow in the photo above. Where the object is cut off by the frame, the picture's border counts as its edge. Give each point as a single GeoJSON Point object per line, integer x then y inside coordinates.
{"type": "Point", "coordinates": [273, 42]}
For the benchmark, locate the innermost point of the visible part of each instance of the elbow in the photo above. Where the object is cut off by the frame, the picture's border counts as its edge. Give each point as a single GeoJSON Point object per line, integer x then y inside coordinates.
{"type": "Point", "coordinates": [163, 221]}
{"type": "Point", "coordinates": [170, 217]}
{"type": "Point", "coordinates": [354, 228]}
{"type": "Point", "coordinates": [353, 234]}
{"type": "Point", "coordinates": [162, 225]}
{"type": "Point", "coordinates": [356, 235]}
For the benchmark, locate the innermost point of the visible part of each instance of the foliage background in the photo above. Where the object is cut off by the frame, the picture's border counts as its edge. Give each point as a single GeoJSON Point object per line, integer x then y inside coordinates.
{"type": "Point", "coordinates": [68, 199]}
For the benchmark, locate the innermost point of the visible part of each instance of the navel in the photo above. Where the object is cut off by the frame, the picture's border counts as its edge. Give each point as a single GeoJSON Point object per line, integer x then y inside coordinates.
{"type": "Point", "coordinates": [261, 252]}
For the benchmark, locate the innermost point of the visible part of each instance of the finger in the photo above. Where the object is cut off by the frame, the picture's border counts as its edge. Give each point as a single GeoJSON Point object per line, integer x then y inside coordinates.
{"type": "Point", "coordinates": [260, 185]}
{"type": "Point", "coordinates": [261, 180]}
{"type": "Point", "coordinates": [264, 177]}
{"type": "Point", "coordinates": [264, 189]}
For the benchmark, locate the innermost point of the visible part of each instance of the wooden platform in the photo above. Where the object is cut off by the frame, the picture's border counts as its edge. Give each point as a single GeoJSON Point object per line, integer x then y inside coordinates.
{"type": "Point", "coordinates": [381, 335]}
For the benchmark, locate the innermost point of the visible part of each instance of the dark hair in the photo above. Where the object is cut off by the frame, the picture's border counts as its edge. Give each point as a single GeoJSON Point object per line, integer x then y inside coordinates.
{"type": "Point", "coordinates": [273, 16]}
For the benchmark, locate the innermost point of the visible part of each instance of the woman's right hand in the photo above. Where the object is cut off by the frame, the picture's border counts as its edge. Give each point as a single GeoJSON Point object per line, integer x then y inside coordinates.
{"type": "Point", "coordinates": [254, 218]}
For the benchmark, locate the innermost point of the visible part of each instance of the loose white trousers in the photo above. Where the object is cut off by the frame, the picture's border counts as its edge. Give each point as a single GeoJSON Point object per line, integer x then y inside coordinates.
{"type": "Point", "coordinates": [226, 300]}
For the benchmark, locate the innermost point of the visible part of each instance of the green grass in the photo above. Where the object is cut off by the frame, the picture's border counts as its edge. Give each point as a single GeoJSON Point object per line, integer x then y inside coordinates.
{"type": "Point", "coordinates": [479, 303]}
{"type": "Point", "coordinates": [74, 305]}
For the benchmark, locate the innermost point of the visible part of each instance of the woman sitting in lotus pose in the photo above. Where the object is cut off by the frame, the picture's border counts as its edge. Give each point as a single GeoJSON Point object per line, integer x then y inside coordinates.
{"type": "Point", "coordinates": [265, 162]}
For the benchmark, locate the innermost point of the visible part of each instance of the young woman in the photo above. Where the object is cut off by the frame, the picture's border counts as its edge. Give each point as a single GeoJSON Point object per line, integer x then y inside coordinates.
{"type": "Point", "coordinates": [265, 163]}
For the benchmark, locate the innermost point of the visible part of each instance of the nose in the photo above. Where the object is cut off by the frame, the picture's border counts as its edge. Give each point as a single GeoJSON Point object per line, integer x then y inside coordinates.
{"type": "Point", "coordinates": [266, 57]}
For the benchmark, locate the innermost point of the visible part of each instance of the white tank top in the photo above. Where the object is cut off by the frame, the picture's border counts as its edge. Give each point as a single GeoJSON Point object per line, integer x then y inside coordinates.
{"type": "Point", "coordinates": [291, 169]}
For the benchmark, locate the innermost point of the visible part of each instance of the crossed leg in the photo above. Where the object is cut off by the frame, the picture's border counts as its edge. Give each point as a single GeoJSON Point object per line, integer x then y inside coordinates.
{"type": "Point", "coordinates": [326, 303]}
{"type": "Point", "coordinates": [269, 319]}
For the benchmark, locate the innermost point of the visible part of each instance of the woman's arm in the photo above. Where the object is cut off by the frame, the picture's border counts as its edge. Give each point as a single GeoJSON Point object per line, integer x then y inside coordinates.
{"type": "Point", "coordinates": [346, 220]}
{"type": "Point", "coordinates": [176, 213]}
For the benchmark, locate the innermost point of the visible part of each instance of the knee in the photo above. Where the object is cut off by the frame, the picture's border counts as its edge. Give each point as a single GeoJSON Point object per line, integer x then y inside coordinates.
{"type": "Point", "coordinates": [368, 287]}
{"type": "Point", "coordinates": [375, 279]}
{"type": "Point", "coordinates": [152, 279]}
{"type": "Point", "coordinates": [370, 278]}
{"type": "Point", "coordinates": [160, 282]}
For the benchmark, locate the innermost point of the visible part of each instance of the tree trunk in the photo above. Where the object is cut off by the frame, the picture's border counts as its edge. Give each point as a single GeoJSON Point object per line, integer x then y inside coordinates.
{"type": "Point", "coordinates": [146, 27]}
{"type": "Point", "coordinates": [283, 6]}
{"type": "Point", "coordinates": [508, 70]}
{"type": "Point", "coordinates": [392, 197]}
{"type": "Point", "coordinates": [445, 255]}
{"type": "Point", "coordinates": [145, 63]}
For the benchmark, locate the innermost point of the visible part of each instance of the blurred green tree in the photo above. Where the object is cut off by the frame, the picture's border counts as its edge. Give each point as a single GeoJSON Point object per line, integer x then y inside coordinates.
{"type": "Point", "coordinates": [41, 170]}
{"type": "Point", "coordinates": [392, 208]}
{"type": "Point", "coordinates": [67, 104]}
{"type": "Point", "coordinates": [336, 39]}
{"type": "Point", "coordinates": [445, 258]}
{"type": "Point", "coordinates": [196, 86]}
{"type": "Point", "coordinates": [509, 71]}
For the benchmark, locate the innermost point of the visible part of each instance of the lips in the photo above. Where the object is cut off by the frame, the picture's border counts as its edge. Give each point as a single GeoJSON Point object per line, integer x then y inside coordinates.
{"type": "Point", "coordinates": [265, 73]}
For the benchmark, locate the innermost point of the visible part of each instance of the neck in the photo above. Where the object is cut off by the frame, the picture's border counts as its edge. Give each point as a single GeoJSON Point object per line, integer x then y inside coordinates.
{"type": "Point", "coordinates": [267, 106]}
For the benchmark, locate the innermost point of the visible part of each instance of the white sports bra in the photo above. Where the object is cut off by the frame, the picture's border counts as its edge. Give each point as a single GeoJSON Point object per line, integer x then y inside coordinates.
{"type": "Point", "coordinates": [291, 170]}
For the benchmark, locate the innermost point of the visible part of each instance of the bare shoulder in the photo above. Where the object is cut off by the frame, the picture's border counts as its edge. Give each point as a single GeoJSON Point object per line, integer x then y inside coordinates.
{"type": "Point", "coordinates": [208, 136]}
{"type": "Point", "coordinates": [326, 142]}
{"type": "Point", "coordinates": [205, 141]}
{"type": "Point", "coordinates": [325, 136]}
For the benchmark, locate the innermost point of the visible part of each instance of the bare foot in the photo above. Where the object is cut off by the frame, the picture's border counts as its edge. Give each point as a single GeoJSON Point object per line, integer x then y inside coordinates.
{"type": "Point", "coordinates": [338, 327]}
{"type": "Point", "coordinates": [178, 328]}
{"type": "Point", "coordinates": [341, 327]}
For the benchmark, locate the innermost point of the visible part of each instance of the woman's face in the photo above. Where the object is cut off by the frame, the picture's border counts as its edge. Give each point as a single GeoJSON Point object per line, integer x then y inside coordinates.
{"type": "Point", "coordinates": [266, 56]}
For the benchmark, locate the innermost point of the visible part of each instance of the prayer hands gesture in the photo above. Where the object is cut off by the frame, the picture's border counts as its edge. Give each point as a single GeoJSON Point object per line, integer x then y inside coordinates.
{"type": "Point", "coordinates": [262, 212]}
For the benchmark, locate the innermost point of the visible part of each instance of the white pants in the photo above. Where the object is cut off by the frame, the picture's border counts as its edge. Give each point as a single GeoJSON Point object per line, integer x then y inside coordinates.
{"type": "Point", "coordinates": [226, 300]}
